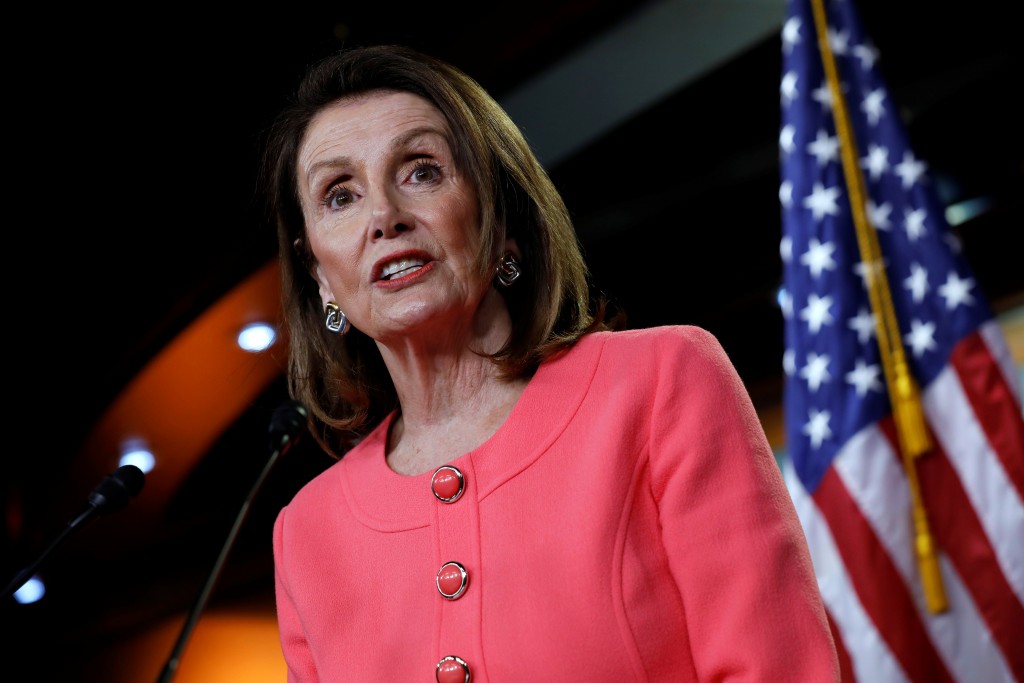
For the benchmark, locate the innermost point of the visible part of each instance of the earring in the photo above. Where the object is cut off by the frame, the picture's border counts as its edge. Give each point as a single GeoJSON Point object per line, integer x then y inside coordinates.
{"type": "Point", "coordinates": [508, 269]}
{"type": "Point", "coordinates": [336, 321]}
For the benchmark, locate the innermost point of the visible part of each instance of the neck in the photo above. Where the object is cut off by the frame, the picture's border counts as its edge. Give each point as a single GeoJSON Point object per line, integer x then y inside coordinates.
{"type": "Point", "coordinates": [450, 395]}
{"type": "Point", "coordinates": [423, 440]}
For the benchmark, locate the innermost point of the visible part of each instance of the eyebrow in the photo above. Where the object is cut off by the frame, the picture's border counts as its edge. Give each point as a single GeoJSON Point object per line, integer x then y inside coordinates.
{"type": "Point", "coordinates": [398, 143]}
{"type": "Point", "coordinates": [411, 135]}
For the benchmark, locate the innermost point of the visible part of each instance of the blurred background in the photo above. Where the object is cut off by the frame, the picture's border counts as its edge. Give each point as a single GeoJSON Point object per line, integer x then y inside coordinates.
{"type": "Point", "coordinates": [137, 253]}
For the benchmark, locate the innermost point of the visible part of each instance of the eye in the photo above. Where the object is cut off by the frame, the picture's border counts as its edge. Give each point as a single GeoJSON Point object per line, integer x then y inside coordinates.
{"type": "Point", "coordinates": [337, 196]}
{"type": "Point", "coordinates": [425, 172]}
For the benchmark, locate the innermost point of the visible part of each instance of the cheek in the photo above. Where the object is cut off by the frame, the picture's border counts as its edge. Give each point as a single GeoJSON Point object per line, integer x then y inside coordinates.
{"type": "Point", "coordinates": [461, 215]}
{"type": "Point", "coordinates": [337, 258]}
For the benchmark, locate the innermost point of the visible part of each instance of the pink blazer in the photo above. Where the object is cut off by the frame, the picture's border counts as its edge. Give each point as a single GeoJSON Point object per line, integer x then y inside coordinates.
{"type": "Point", "coordinates": [628, 522]}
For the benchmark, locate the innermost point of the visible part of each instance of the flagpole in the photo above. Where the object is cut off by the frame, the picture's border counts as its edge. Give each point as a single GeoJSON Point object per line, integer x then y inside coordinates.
{"type": "Point", "coordinates": [903, 391]}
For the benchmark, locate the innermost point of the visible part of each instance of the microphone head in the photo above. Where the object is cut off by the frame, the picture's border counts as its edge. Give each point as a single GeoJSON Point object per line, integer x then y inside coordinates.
{"type": "Point", "coordinates": [117, 488]}
{"type": "Point", "coordinates": [287, 424]}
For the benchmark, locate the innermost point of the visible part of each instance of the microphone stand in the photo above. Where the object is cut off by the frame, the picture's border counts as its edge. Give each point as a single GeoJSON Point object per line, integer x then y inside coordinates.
{"type": "Point", "coordinates": [26, 573]}
{"type": "Point", "coordinates": [171, 667]}
{"type": "Point", "coordinates": [110, 495]}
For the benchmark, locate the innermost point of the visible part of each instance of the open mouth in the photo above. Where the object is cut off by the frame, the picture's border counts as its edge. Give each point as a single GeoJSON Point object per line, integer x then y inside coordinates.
{"type": "Point", "coordinates": [397, 269]}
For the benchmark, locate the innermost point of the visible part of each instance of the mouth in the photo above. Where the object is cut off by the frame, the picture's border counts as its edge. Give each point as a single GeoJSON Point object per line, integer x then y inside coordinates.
{"type": "Point", "coordinates": [400, 267]}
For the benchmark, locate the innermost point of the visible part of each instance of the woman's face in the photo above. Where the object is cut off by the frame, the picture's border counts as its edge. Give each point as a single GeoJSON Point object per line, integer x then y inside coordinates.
{"type": "Point", "coordinates": [392, 223]}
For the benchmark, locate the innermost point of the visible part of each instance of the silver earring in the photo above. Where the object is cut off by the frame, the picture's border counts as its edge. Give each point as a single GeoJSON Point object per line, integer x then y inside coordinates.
{"type": "Point", "coordinates": [336, 321]}
{"type": "Point", "coordinates": [508, 269]}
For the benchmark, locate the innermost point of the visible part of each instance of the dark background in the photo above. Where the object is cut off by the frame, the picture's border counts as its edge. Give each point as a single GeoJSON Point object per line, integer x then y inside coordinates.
{"type": "Point", "coordinates": [131, 167]}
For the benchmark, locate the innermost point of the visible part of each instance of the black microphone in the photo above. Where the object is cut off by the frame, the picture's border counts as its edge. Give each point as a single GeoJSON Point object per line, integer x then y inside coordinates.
{"type": "Point", "coordinates": [287, 425]}
{"type": "Point", "coordinates": [110, 495]}
{"type": "Point", "coordinates": [113, 493]}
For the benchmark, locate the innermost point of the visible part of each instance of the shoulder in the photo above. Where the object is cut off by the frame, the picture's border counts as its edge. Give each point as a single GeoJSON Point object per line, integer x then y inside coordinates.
{"type": "Point", "coordinates": [641, 367]}
{"type": "Point", "coordinates": [672, 358]}
{"type": "Point", "coordinates": [663, 343]}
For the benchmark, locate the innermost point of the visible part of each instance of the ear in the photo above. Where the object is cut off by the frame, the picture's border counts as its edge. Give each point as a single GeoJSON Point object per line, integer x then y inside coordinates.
{"type": "Point", "coordinates": [510, 245]}
{"type": "Point", "coordinates": [326, 293]}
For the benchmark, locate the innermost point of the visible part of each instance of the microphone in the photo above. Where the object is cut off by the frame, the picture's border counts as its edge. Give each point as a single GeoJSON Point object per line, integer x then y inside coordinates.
{"type": "Point", "coordinates": [286, 425]}
{"type": "Point", "coordinates": [286, 428]}
{"type": "Point", "coordinates": [113, 493]}
{"type": "Point", "coordinates": [110, 495]}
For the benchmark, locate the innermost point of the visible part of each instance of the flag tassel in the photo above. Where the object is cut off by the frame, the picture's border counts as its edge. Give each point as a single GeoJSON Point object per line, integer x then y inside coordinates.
{"type": "Point", "coordinates": [907, 411]}
{"type": "Point", "coordinates": [903, 391]}
{"type": "Point", "coordinates": [928, 561]}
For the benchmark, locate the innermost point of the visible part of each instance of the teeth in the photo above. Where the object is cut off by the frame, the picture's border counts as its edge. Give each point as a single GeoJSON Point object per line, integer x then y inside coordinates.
{"type": "Point", "coordinates": [396, 267]}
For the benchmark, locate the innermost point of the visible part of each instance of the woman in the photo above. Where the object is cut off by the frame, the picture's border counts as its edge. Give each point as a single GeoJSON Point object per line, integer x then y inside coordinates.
{"type": "Point", "coordinates": [522, 492]}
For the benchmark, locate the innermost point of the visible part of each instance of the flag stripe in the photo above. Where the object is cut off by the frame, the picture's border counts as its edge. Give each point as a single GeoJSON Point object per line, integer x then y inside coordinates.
{"type": "Point", "coordinates": [869, 655]}
{"type": "Point", "coordinates": [992, 333]}
{"type": "Point", "coordinates": [993, 403]}
{"type": "Point", "coordinates": [871, 458]}
{"type": "Point", "coordinates": [964, 643]}
{"type": "Point", "coordinates": [975, 645]}
{"type": "Point", "coordinates": [878, 582]}
{"type": "Point", "coordinates": [873, 475]}
{"type": "Point", "coordinates": [990, 493]}
{"type": "Point", "coordinates": [963, 540]}
{"type": "Point", "coordinates": [845, 663]}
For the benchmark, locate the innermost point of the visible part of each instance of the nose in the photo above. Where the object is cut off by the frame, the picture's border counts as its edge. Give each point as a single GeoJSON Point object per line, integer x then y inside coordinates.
{"type": "Point", "coordinates": [388, 215]}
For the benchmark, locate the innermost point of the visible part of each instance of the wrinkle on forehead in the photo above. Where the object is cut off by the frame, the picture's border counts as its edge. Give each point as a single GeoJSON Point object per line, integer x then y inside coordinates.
{"type": "Point", "coordinates": [426, 135]}
{"type": "Point", "coordinates": [334, 130]}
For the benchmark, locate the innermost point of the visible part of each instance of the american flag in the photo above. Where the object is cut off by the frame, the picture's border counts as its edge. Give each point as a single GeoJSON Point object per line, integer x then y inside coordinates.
{"type": "Point", "coordinates": [846, 472]}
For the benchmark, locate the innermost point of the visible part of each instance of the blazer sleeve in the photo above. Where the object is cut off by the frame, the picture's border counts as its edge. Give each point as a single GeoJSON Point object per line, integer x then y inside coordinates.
{"type": "Point", "coordinates": [294, 644]}
{"type": "Point", "coordinates": [731, 532]}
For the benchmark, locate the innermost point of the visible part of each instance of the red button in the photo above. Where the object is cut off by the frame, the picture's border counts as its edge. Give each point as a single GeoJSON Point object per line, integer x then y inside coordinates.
{"type": "Point", "coordinates": [447, 483]}
{"type": "Point", "coordinates": [451, 580]}
{"type": "Point", "coordinates": [452, 669]}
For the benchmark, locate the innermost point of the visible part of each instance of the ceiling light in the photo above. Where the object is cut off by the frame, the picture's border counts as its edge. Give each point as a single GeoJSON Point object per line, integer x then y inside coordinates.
{"type": "Point", "coordinates": [136, 452]}
{"type": "Point", "coordinates": [256, 337]}
{"type": "Point", "coordinates": [31, 591]}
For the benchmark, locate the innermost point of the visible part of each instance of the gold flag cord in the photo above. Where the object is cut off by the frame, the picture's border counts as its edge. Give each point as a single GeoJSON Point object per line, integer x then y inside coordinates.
{"type": "Point", "coordinates": [903, 391]}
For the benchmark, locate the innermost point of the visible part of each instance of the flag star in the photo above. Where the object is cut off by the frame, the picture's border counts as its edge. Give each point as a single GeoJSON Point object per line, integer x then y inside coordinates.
{"type": "Point", "coordinates": [787, 138]}
{"type": "Point", "coordinates": [825, 148]}
{"type": "Point", "coordinates": [787, 88]}
{"type": "Point", "coordinates": [823, 96]}
{"type": "Point", "coordinates": [913, 222]}
{"type": "Point", "coordinates": [786, 194]}
{"type": "Point", "coordinates": [864, 378]}
{"type": "Point", "coordinates": [822, 201]}
{"type": "Point", "coordinates": [789, 362]}
{"type": "Point", "coordinates": [818, 257]}
{"type": "Point", "coordinates": [876, 162]}
{"type": "Point", "coordinates": [786, 303]}
{"type": "Point", "coordinates": [816, 312]}
{"type": "Point", "coordinates": [867, 54]}
{"type": "Point", "coordinates": [879, 215]}
{"type": "Point", "coordinates": [790, 34]}
{"type": "Point", "coordinates": [921, 337]}
{"type": "Point", "coordinates": [910, 169]}
{"type": "Point", "coordinates": [816, 428]}
{"type": "Point", "coordinates": [815, 371]}
{"type": "Point", "coordinates": [917, 282]}
{"type": "Point", "coordinates": [865, 270]}
{"type": "Point", "coordinates": [874, 105]}
{"type": "Point", "coordinates": [864, 324]}
{"type": "Point", "coordinates": [786, 248]}
{"type": "Point", "coordinates": [839, 41]}
{"type": "Point", "coordinates": [956, 291]}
